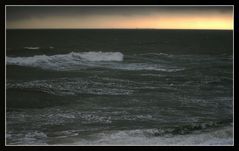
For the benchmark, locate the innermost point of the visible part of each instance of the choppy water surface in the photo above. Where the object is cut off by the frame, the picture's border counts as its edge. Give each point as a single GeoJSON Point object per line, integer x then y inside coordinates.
{"type": "Point", "coordinates": [119, 87]}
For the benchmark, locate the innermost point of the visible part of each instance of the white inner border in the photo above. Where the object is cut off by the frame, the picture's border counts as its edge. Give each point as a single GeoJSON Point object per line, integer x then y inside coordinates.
{"type": "Point", "coordinates": [112, 6]}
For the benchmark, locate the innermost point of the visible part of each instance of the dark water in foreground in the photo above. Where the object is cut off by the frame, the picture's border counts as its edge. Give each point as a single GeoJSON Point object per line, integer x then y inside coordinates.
{"type": "Point", "coordinates": [119, 87]}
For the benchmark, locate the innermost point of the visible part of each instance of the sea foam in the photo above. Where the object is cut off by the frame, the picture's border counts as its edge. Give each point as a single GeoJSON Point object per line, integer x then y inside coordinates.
{"type": "Point", "coordinates": [219, 137]}
{"type": "Point", "coordinates": [64, 60]}
{"type": "Point", "coordinates": [32, 48]}
{"type": "Point", "coordinates": [85, 60]}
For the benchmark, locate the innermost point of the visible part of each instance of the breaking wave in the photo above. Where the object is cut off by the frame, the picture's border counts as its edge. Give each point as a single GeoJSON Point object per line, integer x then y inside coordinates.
{"type": "Point", "coordinates": [62, 61]}
{"type": "Point", "coordinates": [84, 60]}
{"type": "Point", "coordinates": [221, 136]}
{"type": "Point", "coordinates": [87, 56]}
{"type": "Point", "coordinates": [32, 48]}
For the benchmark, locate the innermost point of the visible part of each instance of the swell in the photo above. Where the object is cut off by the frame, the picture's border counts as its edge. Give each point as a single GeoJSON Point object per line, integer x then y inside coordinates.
{"type": "Point", "coordinates": [87, 56]}
{"type": "Point", "coordinates": [221, 136]}
{"type": "Point", "coordinates": [86, 60]}
{"type": "Point", "coordinates": [190, 128]}
{"type": "Point", "coordinates": [76, 86]}
{"type": "Point", "coordinates": [32, 98]}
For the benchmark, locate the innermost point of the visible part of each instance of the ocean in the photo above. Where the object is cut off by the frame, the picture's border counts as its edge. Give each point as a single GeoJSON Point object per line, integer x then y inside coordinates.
{"type": "Point", "coordinates": [119, 87]}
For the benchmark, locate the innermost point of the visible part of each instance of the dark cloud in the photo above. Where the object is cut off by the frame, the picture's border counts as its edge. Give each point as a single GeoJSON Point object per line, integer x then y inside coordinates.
{"type": "Point", "coordinates": [26, 12]}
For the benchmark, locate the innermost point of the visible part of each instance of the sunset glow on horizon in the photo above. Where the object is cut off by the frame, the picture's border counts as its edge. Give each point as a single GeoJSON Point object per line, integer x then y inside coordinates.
{"type": "Point", "coordinates": [120, 17]}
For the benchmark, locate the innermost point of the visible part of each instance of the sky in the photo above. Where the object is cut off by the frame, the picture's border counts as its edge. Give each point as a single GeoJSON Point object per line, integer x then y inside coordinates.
{"type": "Point", "coordinates": [156, 17]}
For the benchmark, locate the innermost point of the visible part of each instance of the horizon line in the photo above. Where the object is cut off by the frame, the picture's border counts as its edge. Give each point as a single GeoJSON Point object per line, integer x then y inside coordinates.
{"type": "Point", "coordinates": [120, 28]}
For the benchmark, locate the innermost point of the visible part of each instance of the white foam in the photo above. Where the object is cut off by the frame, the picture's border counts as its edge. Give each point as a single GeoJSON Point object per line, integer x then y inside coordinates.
{"type": "Point", "coordinates": [28, 138]}
{"type": "Point", "coordinates": [62, 61]}
{"type": "Point", "coordinates": [101, 56]}
{"type": "Point", "coordinates": [156, 54]}
{"type": "Point", "coordinates": [32, 48]}
{"type": "Point", "coordinates": [83, 60]}
{"type": "Point", "coordinates": [147, 66]}
{"type": "Point", "coordinates": [75, 86]}
{"type": "Point", "coordinates": [221, 136]}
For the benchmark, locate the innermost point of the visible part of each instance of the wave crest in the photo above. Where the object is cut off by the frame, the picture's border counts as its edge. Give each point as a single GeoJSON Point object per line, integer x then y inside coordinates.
{"type": "Point", "coordinates": [62, 61]}
{"type": "Point", "coordinates": [32, 48]}
{"type": "Point", "coordinates": [99, 56]}
{"type": "Point", "coordinates": [87, 56]}
{"type": "Point", "coordinates": [222, 136]}
{"type": "Point", "coordinates": [85, 60]}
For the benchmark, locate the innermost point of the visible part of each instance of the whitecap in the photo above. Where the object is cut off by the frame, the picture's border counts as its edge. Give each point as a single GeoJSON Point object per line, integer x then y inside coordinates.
{"type": "Point", "coordinates": [85, 60]}
{"type": "Point", "coordinates": [222, 136]}
{"type": "Point", "coordinates": [32, 48]}
{"type": "Point", "coordinates": [65, 61]}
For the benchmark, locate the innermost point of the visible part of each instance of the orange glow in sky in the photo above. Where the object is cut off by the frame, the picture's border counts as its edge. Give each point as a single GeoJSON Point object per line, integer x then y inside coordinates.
{"type": "Point", "coordinates": [155, 20]}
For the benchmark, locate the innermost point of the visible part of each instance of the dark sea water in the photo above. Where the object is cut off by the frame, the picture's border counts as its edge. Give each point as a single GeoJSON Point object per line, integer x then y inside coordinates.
{"type": "Point", "coordinates": [119, 87]}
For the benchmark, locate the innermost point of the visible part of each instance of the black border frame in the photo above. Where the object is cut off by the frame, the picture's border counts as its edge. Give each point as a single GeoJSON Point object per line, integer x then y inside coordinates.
{"type": "Point", "coordinates": [125, 2]}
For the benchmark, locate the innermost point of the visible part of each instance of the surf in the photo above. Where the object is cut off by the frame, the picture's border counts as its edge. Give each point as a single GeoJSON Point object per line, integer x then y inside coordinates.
{"type": "Point", "coordinates": [64, 60]}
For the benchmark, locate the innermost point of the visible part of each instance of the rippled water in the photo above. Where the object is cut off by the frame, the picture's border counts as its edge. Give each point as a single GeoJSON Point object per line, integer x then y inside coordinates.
{"type": "Point", "coordinates": [148, 87]}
